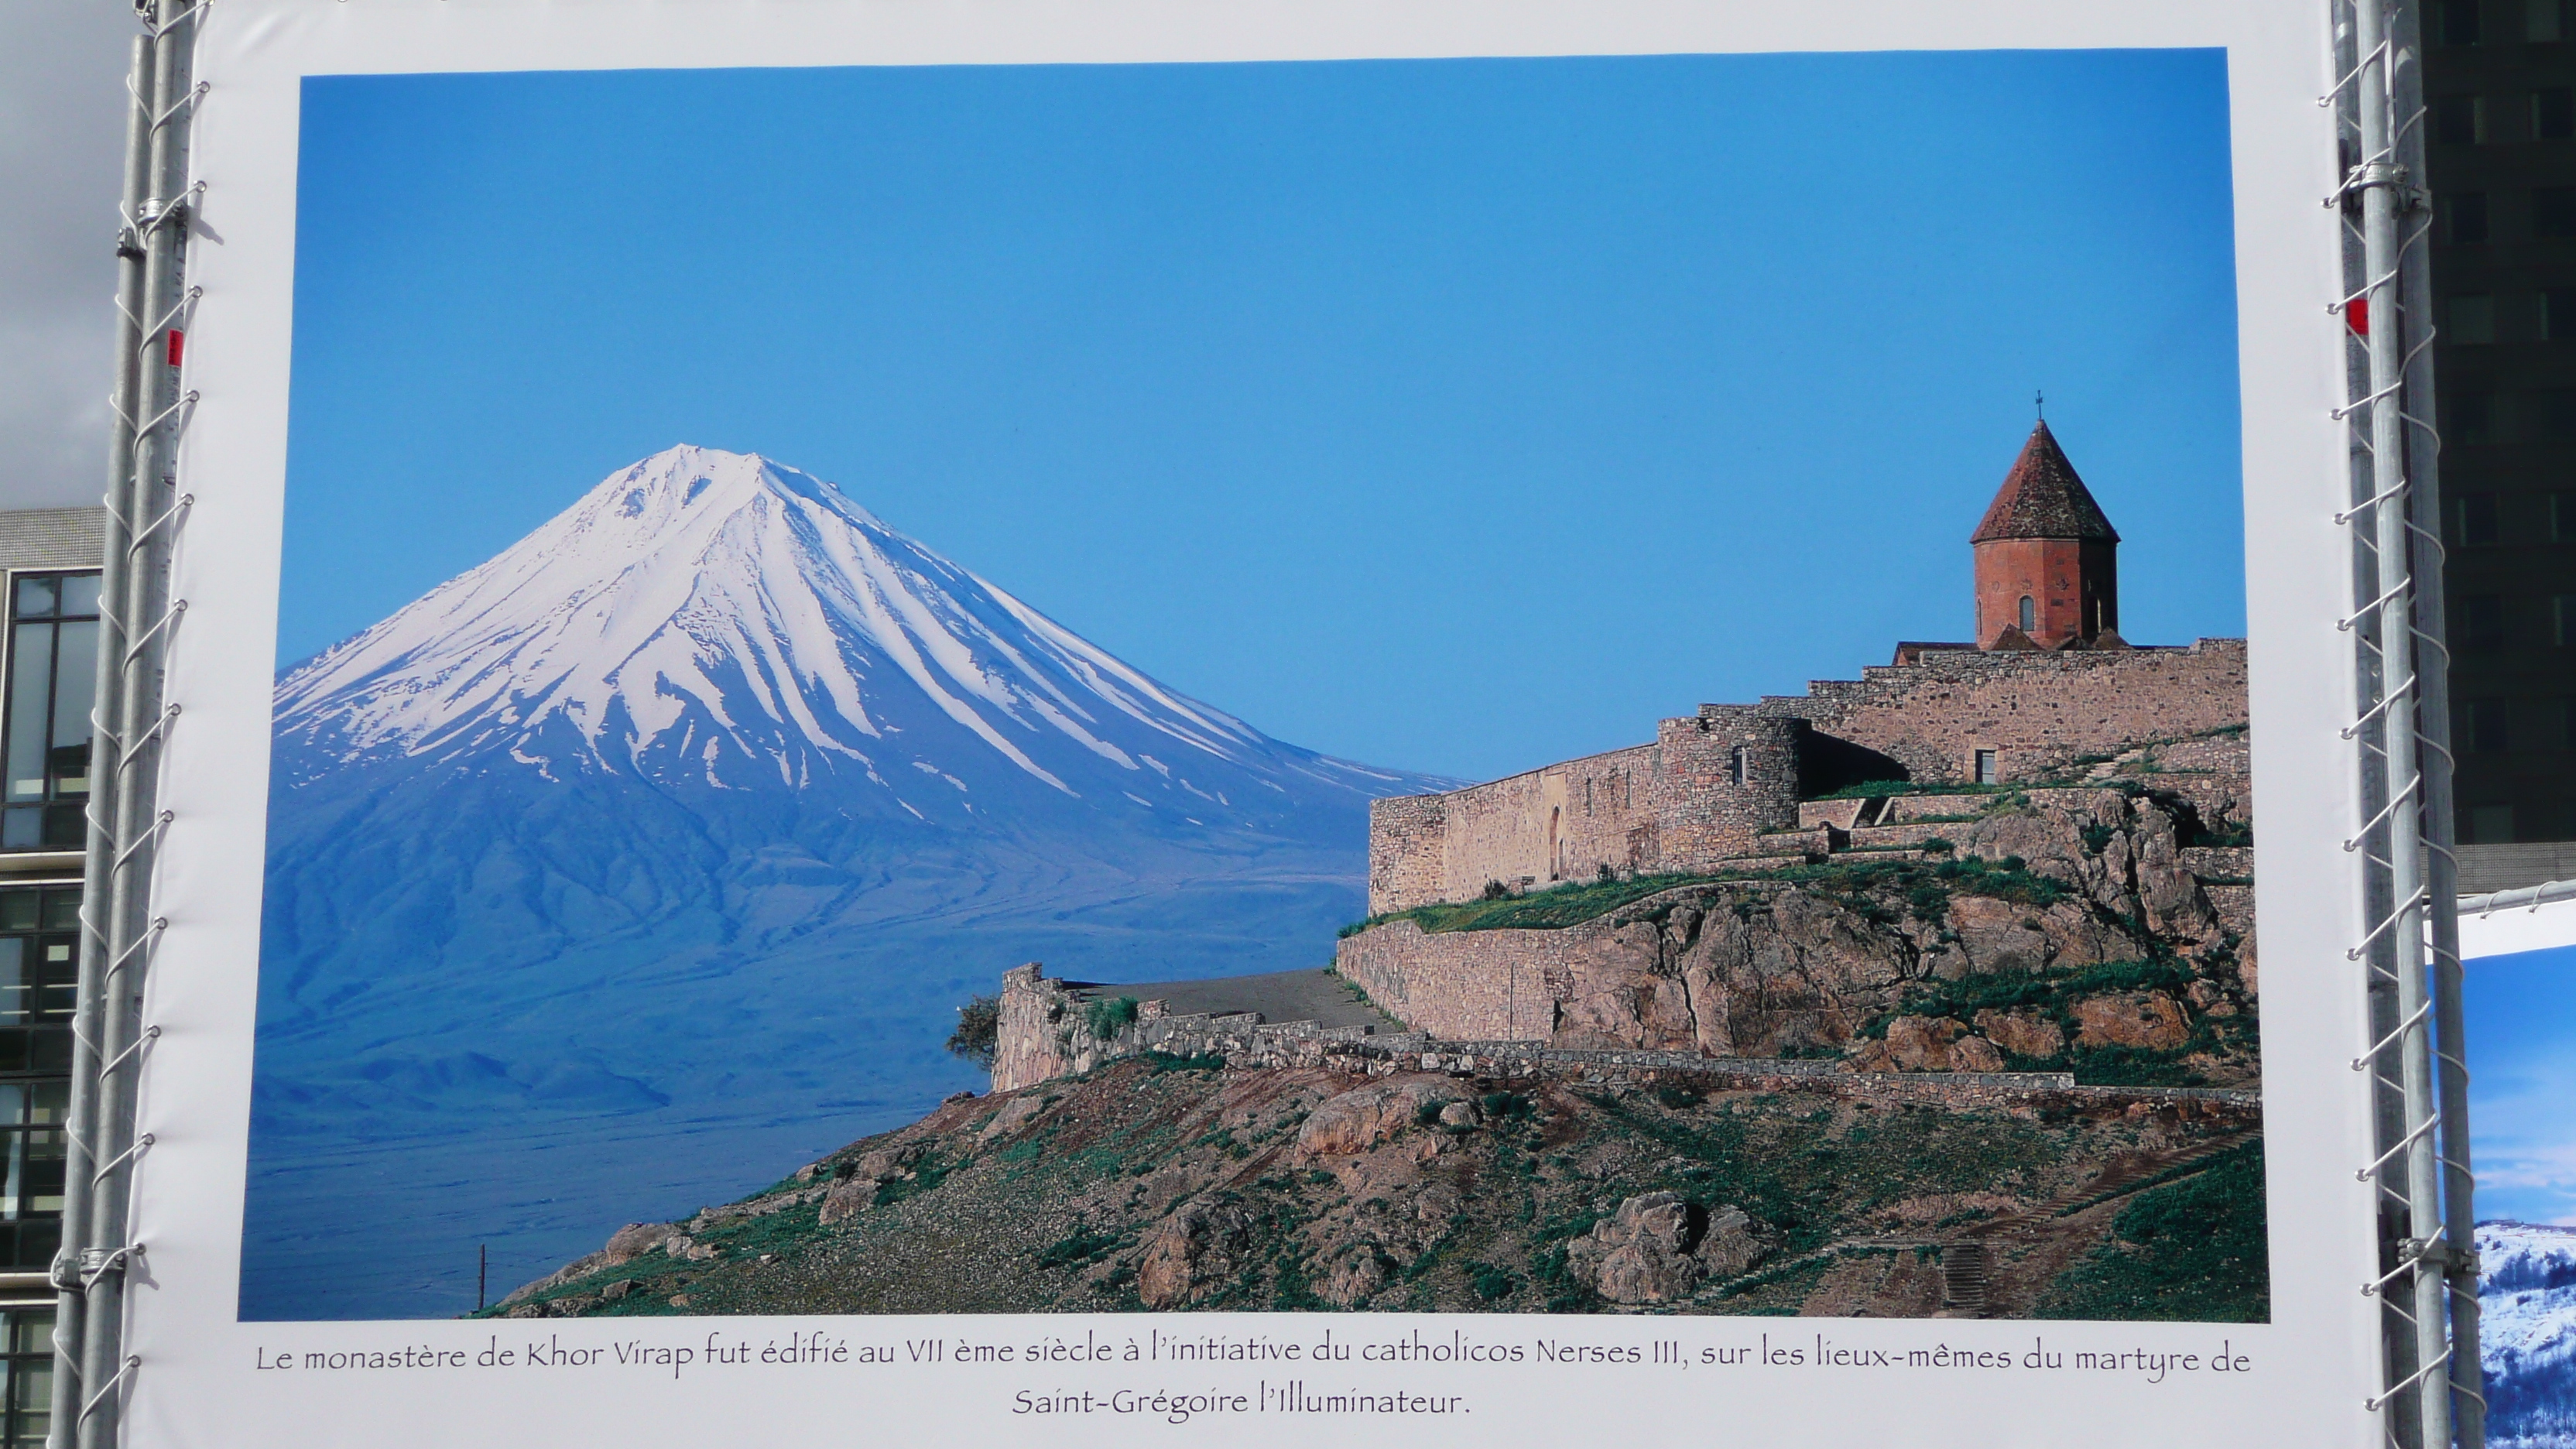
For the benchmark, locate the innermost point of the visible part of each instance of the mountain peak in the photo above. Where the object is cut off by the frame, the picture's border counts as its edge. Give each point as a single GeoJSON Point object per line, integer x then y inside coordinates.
{"type": "Point", "coordinates": [723, 619]}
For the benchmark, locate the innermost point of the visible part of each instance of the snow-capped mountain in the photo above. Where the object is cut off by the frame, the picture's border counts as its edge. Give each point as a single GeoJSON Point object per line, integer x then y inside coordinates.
{"type": "Point", "coordinates": [721, 617]}
{"type": "Point", "coordinates": [2527, 1333]}
{"type": "Point", "coordinates": [661, 847]}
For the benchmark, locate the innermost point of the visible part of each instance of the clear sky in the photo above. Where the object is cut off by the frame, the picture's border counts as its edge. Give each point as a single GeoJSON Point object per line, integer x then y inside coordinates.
{"type": "Point", "coordinates": [2521, 1020]}
{"type": "Point", "coordinates": [1454, 415]}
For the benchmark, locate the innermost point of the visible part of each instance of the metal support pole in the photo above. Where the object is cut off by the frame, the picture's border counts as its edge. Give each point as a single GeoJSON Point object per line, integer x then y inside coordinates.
{"type": "Point", "coordinates": [2428, 1273]}
{"type": "Point", "coordinates": [81, 1112]}
{"type": "Point", "coordinates": [148, 617]}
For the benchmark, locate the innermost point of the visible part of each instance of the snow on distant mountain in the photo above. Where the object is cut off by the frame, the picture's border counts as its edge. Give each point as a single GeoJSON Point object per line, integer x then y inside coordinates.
{"type": "Point", "coordinates": [2527, 1333]}
{"type": "Point", "coordinates": [660, 847]}
{"type": "Point", "coordinates": [724, 617]}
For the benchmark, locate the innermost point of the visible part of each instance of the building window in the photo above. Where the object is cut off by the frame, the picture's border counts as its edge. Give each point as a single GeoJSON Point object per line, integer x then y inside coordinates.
{"type": "Point", "coordinates": [1988, 773]}
{"type": "Point", "coordinates": [2473, 519]}
{"type": "Point", "coordinates": [2557, 408]}
{"type": "Point", "coordinates": [2544, 21]}
{"type": "Point", "coordinates": [2473, 419]}
{"type": "Point", "coordinates": [2472, 319]}
{"type": "Point", "coordinates": [2459, 21]}
{"type": "Point", "coordinates": [39, 950]}
{"type": "Point", "coordinates": [2460, 120]}
{"type": "Point", "coordinates": [2464, 218]}
{"type": "Point", "coordinates": [2558, 308]}
{"type": "Point", "coordinates": [29, 1367]}
{"type": "Point", "coordinates": [2029, 614]}
{"type": "Point", "coordinates": [2553, 114]}
{"type": "Point", "coordinates": [2553, 211]}
{"type": "Point", "coordinates": [2562, 619]}
{"type": "Point", "coordinates": [2481, 621]}
{"type": "Point", "coordinates": [2482, 726]}
{"type": "Point", "coordinates": [53, 667]}
{"type": "Point", "coordinates": [2490, 825]}
{"type": "Point", "coordinates": [1738, 768]}
{"type": "Point", "coordinates": [2562, 517]}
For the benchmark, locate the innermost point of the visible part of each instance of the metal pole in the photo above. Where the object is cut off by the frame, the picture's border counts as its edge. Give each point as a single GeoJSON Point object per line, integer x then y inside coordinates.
{"type": "Point", "coordinates": [2458, 1248]}
{"type": "Point", "coordinates": [149, 618]}
{"type": "Point", "coordinates": [81, 1111]}
{"type": "Point", "coordinates": [2408, 877]}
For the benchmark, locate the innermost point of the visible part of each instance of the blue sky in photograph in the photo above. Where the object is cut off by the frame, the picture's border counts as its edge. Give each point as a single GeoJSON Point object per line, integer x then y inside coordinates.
{"type": "Point", "coordinates": [2520, 1012]}
{"type": "Point", "coordinates": [1454, 415]}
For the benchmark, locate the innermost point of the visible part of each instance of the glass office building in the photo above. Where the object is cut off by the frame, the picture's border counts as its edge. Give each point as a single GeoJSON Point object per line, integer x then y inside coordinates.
{"type": "Point", "coordinates": [49, 569]}
{"type": "Point", "coordinates": [2500, 152]}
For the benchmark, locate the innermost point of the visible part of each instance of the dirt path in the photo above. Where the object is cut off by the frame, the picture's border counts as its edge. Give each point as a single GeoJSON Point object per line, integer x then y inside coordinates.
{"type": "Point", "coordinates": [2001, 1267]}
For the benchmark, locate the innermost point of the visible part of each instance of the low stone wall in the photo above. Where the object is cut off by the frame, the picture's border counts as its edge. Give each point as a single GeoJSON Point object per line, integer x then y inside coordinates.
{"type": "Point", "coordinates": [1467, 985]}
{"type": "Point", "coordinates": [1065, 1041]}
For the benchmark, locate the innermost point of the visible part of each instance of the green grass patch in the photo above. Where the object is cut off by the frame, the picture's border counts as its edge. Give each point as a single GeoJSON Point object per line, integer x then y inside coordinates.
{"type": "Point", "coordinates": [2192, 1251]}
{"type": "Point", "coordinates": [1109, 1015]}
{"type": "Point", "coordinates": [1160, 1062]}
{"type": "Point", "coordinates": [1081, 1249]}
{"type": "Point", "coordinates": [1539, 910]}
{"type": "Point", "coordinates": [1843, 875]}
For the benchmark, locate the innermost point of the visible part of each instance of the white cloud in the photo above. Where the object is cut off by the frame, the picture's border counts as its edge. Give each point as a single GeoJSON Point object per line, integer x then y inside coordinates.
{"type": "Point", "coordinates": [2524, 1137]}
{"type": "Point", "coordinates": [62, 136]}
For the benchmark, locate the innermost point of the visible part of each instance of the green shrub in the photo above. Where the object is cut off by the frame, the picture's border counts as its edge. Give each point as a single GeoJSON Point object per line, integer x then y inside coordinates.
{"type": "Point", "coordinates": [1083, 1247]}
{"type": "Point", "coordinates": [1196, 1062]}
{"type": "Point", "coordinates": [1109, 1014]}
{"type": "Point", "coordinates": [979, 1024]}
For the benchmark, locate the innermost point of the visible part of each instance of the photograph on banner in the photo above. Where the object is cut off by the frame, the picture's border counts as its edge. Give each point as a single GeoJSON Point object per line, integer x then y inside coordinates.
{"type": "Point", "coordinates": [2519, 992]}
{"type": "Point", "coordinates": [1544, 685]}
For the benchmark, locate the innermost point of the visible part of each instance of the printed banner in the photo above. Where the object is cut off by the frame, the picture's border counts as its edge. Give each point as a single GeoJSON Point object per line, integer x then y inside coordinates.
{"type": "Point", "coordinates": [2520, 997]}
{"type": "Point", "coordinates": [969, 722]}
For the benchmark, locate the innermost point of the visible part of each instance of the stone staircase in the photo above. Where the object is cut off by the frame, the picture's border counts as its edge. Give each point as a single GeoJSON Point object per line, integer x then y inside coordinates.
{"type": "Point", "coordinates": [1963, 1278]}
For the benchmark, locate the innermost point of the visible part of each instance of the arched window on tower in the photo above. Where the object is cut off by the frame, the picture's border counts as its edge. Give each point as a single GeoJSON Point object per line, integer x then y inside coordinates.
{"type": "Point", "coordinates": [1737, 767]}
{"type": "Point", "coordinates": [2029, 614]}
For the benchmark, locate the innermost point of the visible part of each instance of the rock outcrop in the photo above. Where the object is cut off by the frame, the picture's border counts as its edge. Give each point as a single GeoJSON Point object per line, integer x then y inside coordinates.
{"type": "Point", "coordinates": [1365, 1116]}
{"type": "Point", "coordinates": [1202, 1244]}
{"type": "Point", "coordinates": [1890, 961]}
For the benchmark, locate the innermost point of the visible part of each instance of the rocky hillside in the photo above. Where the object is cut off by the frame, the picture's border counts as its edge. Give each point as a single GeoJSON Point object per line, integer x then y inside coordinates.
{"type": "Point", "coordinates": [1167, 1183]}
{"type": "Point", "coordinates": [2103, 926]}
{"type": "Point", "coordinates": [2099, 929]}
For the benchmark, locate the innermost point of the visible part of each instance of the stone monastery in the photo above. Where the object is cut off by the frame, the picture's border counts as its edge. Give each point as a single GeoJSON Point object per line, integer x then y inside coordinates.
{"type": "Point", "coordinates": [2047, 683]}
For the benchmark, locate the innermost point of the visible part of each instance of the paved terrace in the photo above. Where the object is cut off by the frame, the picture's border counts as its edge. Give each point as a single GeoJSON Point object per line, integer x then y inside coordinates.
{"type": "Point", "coordinates": [1318, 996]}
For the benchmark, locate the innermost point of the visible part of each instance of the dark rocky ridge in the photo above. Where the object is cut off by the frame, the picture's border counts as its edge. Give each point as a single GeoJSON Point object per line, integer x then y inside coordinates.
{"type": "Point", "coordinates": [1164, 1184]}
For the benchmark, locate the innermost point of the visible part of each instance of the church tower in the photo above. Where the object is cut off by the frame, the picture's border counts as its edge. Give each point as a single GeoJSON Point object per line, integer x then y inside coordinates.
{"type": "Point", "coordinates": [2047, 560]}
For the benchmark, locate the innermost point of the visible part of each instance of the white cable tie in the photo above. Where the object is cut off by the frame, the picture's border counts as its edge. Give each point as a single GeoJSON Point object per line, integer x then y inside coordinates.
{"type": "Point", "coordinates": [140, 1145]}
{"type": "Point", "coordinates": [173, 23]}
{"type": "Point", "coordinates": [2375, 1405]}
{"type": "Point", "coordinates": [2345, 412]}
{"type": "Point", "coordinates": [132, 1362]}
{"type": "Point", "coordinates": [2431, 1119]}
{"type": "Point", "coordinates": [150, 1035]}
{"type": "Point", "coordinates": [2362, 1062]}
{"type": "Point", "coordinates": [2374, 822]}
{"type": "Point", "coordinates": [134, 651]}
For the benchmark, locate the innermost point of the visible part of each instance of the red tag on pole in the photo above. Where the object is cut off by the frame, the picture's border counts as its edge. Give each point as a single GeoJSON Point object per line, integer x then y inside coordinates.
{"type": "Point", "coordinates": [2356, 315]}
{"type": "Point", "coordinates": [176, 337]}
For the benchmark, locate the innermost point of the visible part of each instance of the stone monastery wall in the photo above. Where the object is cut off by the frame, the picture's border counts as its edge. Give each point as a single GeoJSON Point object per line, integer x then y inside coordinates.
{"type": "Point", "coordinates": [2037, 710]}
{"type": "Point", "coordinates": [1043, 1038]}
{"type": "Point", "coordinates": [1713, 784]}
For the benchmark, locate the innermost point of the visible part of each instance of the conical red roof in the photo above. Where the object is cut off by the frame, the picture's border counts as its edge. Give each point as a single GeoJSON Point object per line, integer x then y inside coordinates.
{"type": "Point", "coordinates": [2042, 498]}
